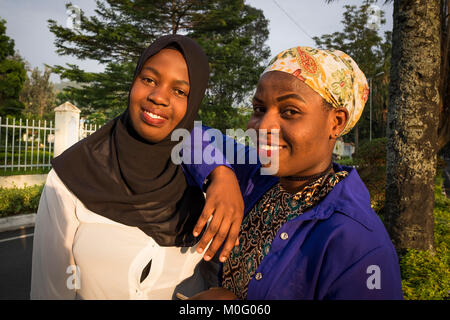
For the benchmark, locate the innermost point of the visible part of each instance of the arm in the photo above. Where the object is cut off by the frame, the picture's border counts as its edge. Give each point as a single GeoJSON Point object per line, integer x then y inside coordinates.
{"type": "Point", "coordinates": [204, 157]}
{"type": "Point", "coordinates": [53, 265]}
{"type": "Point", "coordinates": [223, 193]}
{"type": "Point", "coordinates": [224, 202]}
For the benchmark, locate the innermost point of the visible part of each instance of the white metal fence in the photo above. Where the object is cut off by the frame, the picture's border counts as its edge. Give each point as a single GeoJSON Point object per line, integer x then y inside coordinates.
{"type": "Point", "coordinates": [86, 129]}
{"type": "Point", "coordinates": [30, 144]}
{"type": "Point", "coordinates": [25, 144]}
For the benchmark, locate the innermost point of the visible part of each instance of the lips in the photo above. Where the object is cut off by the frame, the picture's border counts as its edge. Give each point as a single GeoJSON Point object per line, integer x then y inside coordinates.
{"type": "Point", "coordinates": [265, 149]}
{"type": "Point", "coordinates": [153, 117]}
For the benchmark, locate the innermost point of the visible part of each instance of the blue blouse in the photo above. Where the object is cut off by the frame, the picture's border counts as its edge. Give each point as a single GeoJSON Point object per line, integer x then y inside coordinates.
{"type": "Point", "coordinates": [338, 249]}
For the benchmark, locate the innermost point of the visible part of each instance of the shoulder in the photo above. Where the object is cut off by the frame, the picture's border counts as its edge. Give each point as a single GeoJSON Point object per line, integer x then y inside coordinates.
{"type": "Point", "coordinates": [56, 191]}
{"type": "Point", "coordinates": [349, 234]}
{"type": "Point", "coordinates": [347, 223]}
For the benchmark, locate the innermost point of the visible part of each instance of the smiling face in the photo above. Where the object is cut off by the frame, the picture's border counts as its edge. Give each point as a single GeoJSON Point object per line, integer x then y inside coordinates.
{"type": "Point", "coordinates": [159, 95]}
{"type": "Point", "coordinates": [307, 130]}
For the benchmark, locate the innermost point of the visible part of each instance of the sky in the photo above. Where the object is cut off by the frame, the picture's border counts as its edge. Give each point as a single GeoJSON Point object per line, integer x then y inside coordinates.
{"type": "Point", "coordinates": [291, 23]}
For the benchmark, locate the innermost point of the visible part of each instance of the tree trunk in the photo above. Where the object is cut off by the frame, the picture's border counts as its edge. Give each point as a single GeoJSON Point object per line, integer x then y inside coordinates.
{"type": "Point", "coordinates": [413, 118]}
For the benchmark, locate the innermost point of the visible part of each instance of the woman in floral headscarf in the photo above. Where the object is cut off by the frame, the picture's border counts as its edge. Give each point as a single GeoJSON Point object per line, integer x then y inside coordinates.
{"type": "Point", "coordinates": [309, 232]}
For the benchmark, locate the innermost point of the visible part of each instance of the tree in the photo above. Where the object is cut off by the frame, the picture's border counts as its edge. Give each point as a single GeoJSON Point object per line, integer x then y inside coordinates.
{"type": "Point", "coordinates": [12, 75]}
{"type": "Point", "coordinates": [38, 93]}
{"type": "Point", "coordinates": [372, 54]}
{"type": "Point", "coordinates": [413, 118]}
{"type": "Point", "coordinates": [418, 123]}
{"type": "Point", "coordinates": [231, 33]}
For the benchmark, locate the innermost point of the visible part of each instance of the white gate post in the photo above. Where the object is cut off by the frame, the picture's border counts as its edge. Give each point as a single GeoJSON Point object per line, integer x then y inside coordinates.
{"type": "Point", "coordinates": [67, 122]}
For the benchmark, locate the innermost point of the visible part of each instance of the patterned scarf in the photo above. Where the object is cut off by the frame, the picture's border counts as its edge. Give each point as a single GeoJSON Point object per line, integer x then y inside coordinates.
{"type": "Point", "coordinates": [331, 73]}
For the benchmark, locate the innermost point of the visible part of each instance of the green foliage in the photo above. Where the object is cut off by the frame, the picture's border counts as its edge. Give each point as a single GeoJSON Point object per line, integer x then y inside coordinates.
{"type": "Point", "coordinates": [12, 75]}
{"type": "Point", "coordinates": [6, 44]}
{"type": "Point", "coordinates": [105, 92]}
{"type": "Point", "coordinates": [38, 95]}
{"type": "Point", "coordinates": [345, 161]}
{"type": "Point", "coordinates": [371, 153]}
{"type": "Point", "coordinates": [19, 200]}
{"type": "Point", "coordinates": [231, 33]}
{"type": "Point", "coordinates": [442, 213]}
{"type": "Point", "coordinates": [370, 158]}
{"type": "Point", "coordinates": [425, 274]}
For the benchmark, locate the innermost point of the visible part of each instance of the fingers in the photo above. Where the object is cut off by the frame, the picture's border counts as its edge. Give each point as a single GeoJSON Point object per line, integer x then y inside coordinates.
{"type": "Point", "coordinates": [204, 217]}
{"type": "Point", "coordinates": [211, 231]}
{"type": "Point", "coordinates": [221, 234]}
{"type": "Point", "coordinates": [232, 240]}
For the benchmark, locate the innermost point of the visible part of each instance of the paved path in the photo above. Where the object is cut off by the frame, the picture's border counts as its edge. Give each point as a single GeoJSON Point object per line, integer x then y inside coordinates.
{"type": "Point", "coordinates": [16, 248]}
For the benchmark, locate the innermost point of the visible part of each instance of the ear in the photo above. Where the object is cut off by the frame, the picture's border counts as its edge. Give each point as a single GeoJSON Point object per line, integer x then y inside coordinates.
{"type": "Point", "coordinates": [339, 118]}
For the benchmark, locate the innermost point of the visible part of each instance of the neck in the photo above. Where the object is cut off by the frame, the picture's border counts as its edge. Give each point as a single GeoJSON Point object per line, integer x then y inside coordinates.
{"type": "Point", "coordinates": [297, 183]}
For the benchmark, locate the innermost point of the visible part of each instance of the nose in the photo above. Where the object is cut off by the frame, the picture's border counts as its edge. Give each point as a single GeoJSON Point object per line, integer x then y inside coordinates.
{"type": "Point", "coordinates": [159, 95]}
{"type": "Point", "coordinates": [269, 123]}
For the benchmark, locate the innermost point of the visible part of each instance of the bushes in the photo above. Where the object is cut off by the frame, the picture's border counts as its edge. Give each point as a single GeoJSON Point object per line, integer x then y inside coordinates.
{"type": "Point", "coordinates": [371, 153]}
{"type": "Point", "coordinates": [371, 161]}
{"type": "Point", "coordinates": [19, 200]}
{"type": "Point", "coordinates": [345, 161]}
{"type": "Point", "coordinates": [425, 274]}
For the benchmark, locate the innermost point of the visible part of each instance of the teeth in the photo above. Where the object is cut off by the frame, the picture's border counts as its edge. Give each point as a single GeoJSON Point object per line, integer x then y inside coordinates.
{"type": "Point", "coordinates": [267, 147]}
{"type": "Point", "coordinates": [152, 115]}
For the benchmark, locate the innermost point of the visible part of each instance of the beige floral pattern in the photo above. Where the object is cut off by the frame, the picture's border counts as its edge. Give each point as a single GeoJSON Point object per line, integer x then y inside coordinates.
{"type": "Point", "coordinates": [331, 73]}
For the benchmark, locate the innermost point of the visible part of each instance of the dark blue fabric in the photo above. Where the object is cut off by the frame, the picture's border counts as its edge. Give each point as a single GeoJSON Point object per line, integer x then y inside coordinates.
{"type": "Point", "coordinates": [338, 249]}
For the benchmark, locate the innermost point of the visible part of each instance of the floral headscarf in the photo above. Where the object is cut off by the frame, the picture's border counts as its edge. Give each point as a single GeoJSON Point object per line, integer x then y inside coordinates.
{"type": "Point", "coordinates": [331, 73]}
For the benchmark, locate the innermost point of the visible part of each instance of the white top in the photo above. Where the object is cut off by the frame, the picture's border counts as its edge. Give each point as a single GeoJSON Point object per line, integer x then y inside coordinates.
{"type": "Point", "coordinates": [78, 254]}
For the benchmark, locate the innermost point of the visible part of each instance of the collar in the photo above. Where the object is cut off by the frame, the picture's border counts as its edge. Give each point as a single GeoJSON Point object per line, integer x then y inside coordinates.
{"type": "Point", "coordinates": [349, 197]}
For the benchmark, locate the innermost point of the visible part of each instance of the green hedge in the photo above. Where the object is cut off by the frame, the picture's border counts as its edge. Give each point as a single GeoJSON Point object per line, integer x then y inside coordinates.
{"type": "Point", "coordinates": [19, 200]}
{"type": "Point", "coordinates": [426, 274]}
{"type": "Point", "coordinates": [371, 161]}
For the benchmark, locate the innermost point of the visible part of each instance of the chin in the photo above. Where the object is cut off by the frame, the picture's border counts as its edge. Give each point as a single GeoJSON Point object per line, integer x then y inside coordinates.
{"type": "Point", "coordinates": [150, 135]}
{"type": "Point", "coordinates": [269, 170]}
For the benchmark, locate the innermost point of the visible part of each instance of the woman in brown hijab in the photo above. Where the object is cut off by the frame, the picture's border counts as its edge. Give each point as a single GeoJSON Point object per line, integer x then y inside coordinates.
{"type": "Point", "coordinates": [116, 216]}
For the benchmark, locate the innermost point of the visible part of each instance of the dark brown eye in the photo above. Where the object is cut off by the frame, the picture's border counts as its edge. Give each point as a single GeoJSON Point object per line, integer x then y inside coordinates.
{"type": "Point", "coordinates": [290, 112]}
{"type": "Point", "coordinates": [180, 92]}
{"type": "Point", "coordinates": [258, 109]}
{"type": "Point", "coordinates": [147, 80]}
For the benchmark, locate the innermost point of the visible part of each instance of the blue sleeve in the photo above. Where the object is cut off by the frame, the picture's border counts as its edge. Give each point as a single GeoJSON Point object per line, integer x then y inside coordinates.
{"type": "Point", "coordinates": [376, 276]}
{"type": "Point", "coordinates": [196, 167]}
{"type": "Point", "coordinates": [208, 148]}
